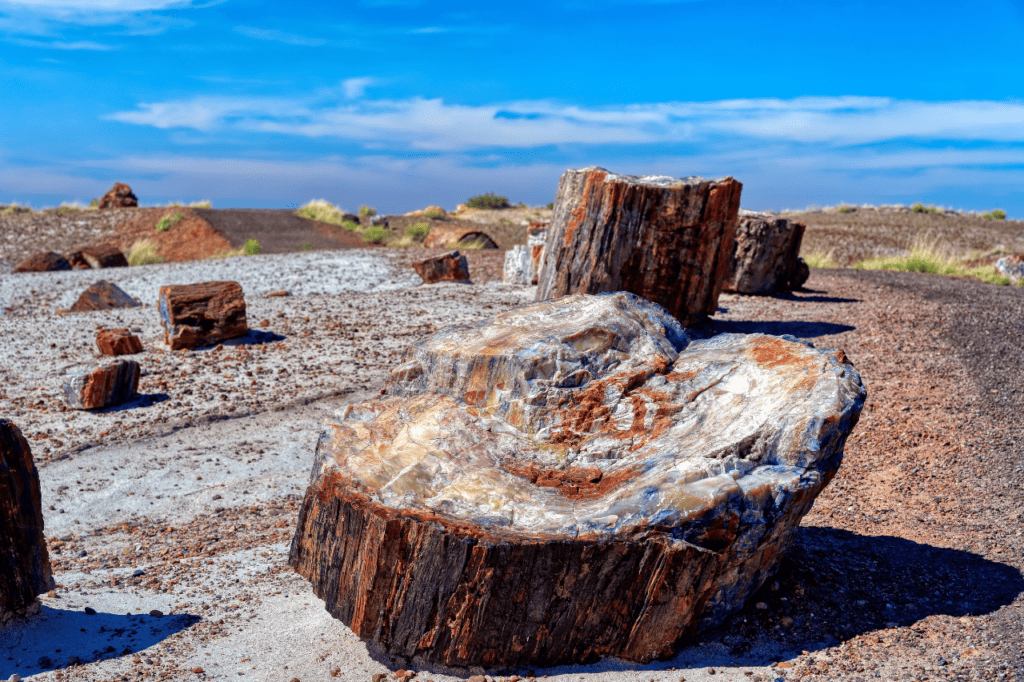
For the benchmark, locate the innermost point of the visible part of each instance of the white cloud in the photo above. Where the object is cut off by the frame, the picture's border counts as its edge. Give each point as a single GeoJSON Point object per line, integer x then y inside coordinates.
{"type": "Point", "coordinates": [279, 36]}
{"type": "Point", "coordinates": [63, 44]}
{"type": "Point", "coordinates": [96, 5]}
{"type": "Point", "coordinates": [356, 87]}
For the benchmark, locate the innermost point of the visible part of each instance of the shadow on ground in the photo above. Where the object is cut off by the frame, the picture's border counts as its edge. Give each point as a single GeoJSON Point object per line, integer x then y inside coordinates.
{"type": "Point", "coordinates": [801, 329]}
{"type": "Point", "coordinates": [56, 638]}
{"type": "Point", "coordinates": [140, 400]}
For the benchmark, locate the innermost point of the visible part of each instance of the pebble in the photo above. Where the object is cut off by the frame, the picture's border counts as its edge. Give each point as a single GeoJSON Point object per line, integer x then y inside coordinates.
{"type": "Point", "coordinates": [14, 678]}
{"type": "Point", "coordinates": [137, 572]}
{"type": "Point", "coordinates": [90, 611]}
{"type": "Point", "coordinates": [156, 613]}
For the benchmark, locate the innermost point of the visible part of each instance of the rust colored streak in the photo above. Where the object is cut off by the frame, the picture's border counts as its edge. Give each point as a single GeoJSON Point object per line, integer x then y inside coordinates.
{"type": "Point", "coordinates": [594, 179]}
{"type": "Point", "coordinates": [574, 483]}
{"type": "Point", "coordinates": [773, 353]}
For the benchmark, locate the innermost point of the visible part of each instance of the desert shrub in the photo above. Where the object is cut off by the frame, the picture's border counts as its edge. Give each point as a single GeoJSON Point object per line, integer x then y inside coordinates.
{"type": "Point", "coordinates": [367, 211]}
{"type": "Point", "coordinates": [323, 211]}
{"type": "Point", "coordinates": [471, 244]}
{"type": "Point", "coordinates": [252, 247]}
{"type": "Point", "coordinates": [376, 234]}
{"type": "Point", "coordinates": [306, 247]}
{"type": "Point", "coordinates": [205, 203]}
{"type": "Point", "coordinates": [995, 215]}
{"type": "Point", "coordinates": [95, 203]}
{"type": "Point", "coordinates": [932, 258]}
{"type": "Point", "coordinates": [489, 200]}
{"type": "Point", "coordinates": [404, 242]}
{"type": "Point", "coordinates": [434, 213]}
{"type": "Point", "coordinates": [350, 225]}
{"type": "Point", "coordinates": [143, 252]}
{"type": "Point", "coordinates": [167, 221]}
{"type": "Point", "coordinates": [418, 231]}
{"type": "Point", "coordinates": [551, 205]}
{"type": "Point", "coordinates": [846, 209]}
{"type": "Point", "coordinates": [921, 208]}
{"type": "Point", "coordinates": [820, 260]}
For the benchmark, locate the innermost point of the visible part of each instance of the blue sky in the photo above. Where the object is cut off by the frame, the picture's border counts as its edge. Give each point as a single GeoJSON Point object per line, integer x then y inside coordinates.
{"type": "Point", "coordinates": [403, 103]}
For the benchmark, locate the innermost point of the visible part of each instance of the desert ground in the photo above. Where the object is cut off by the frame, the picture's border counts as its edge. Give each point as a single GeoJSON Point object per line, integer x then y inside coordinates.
{"type": "Point", "coordinates": [182, 502]}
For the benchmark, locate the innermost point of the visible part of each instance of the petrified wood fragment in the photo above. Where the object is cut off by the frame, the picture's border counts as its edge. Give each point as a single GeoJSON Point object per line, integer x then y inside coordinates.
{"type": "Point", "coordinates": [118, 342]}
{"type": "Point", "coordinates": [765, 255]}
{"type": "Point", "coordinates": [448, 267]}
{"type": "Point", "coordinates": [24, 562]}
{"type": "Point", "coordinates": [522, 262]}
{"type": "Point", "coordinates": [98, 257]}
{"type": "Point", "coordinates": [570, 480]}
{"type": "Point", "coordinates": [106, 385]}
{"type": "Point", "coordinates": [447, 236]}
{"type": "Point", "coordinates": [103, 295]}
{"type": "Point", "coordinates": [119, 196]}
{"type": "Point", "coordinates": [1011, 266]}
{"type": "Point", "coordinates": [202, 314]}
{"type": "Point", "coordinates": [666, 239]}
{"type": "Point", "coordinates": [45, 261]}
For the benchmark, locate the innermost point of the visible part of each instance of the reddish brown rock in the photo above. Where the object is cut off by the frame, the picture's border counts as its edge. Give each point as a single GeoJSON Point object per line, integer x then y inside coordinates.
{"type": "Point", "coordinates": [119, 196]}
{"type": "Point", "coordinates": [109, 384]}
{"type": "Point", "coordinates": [451, 235]}
{"type": "Point", "coordinates": [766, 255]}
{"type": "Point", "coordinates": [666, 239]}
{"type": "Point", "coordinates": [202, 314]}
{"type": "Point", "coordinates": [45, 261]}
{"type": "Point", "coordinates": [103, 295]}
{"type": "Point", "coordinates": [24, 562]}
{"type": "Point", "coordinates": [118, 342]}
{"type": "Point", "coordinates": [451, 266]}
{"type": "Point", "coordinates": [97, 257]}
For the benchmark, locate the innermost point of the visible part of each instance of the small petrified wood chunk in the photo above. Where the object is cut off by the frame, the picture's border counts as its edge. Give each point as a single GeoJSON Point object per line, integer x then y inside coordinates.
{"type": "Point", "coordinates": [448, 267]}
{"type": "Point", "coordinates": [118, 342]}
{"type": "Point", "coordinates": [119, 196]}
{"type": "Point", "coordinates": [103, 295]}
{"type": "Point", "coordinates": [46, 261]}
{"type": "Point", "coordinates": [666, 239]}
{"type": "Point", "coordinates": [98, 257]}
{"type": "Point", "coordinates": [1011, 266]}
{"type": "Point", "coordinates": [765, 255]}
{"type": "Point", "coordinates": [569, 480]}
{"type": "Point", "coordinates": [24, 562]}
{"type": "Point", "coordinates": [106, 385]}
{"type": "Point", "coordinates": [448, 236]}
{"type": "Point", "coordinates": [522, 262]}
{"type": "Point", "coordinates": [202, 314]}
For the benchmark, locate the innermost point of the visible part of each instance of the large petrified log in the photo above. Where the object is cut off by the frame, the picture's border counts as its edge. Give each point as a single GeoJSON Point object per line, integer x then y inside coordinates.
{"type": "Point", "coordinates": [24, 562]}
{"type": "Point", "coordinates": [666, 239]}
{"type": "Point", "coordinates": [570, 480]}
{"type": "Point", "coordinates": [766, 255]}
{"type": "Point", "coordinates": [202, 314]}
{"type": "Point", "coordinates": [98, 257]}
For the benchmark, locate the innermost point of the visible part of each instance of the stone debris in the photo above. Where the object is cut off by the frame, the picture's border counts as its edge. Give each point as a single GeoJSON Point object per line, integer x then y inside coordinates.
{"type": "Point", "coordinates": [766, 255]}
{"type": "Point", "coordinates": [452, 235]}
{"type": "Point", "coordinates": [569, 480]}
{"type": "Point", "coordinates": [98, 257]}
{"type": "Point", "coordinates": [666, 239]}
{"type": "Point", "coordinates": [119, 196]}
{"type": "Point", "coordinates": [45, 261]}
{"type": "Point", "coordinates": [379, 220]}
{"type": "Point", "coordinates": [1011, 266]}
{"type": "Point", "coordinates": [24, 561]}
{"type": "Point", "coordinates": [202, 314]}
{"type": "Point", "coordinates": [522, 262]}
{"type": "Point", "coordinates": [109, 384]}
{"type": "Point", "coordinates": [448, 267]}
{"type": "Point", "coordinates": [103, 295]}
{"type": "Point", "coordinates": [118, 342]}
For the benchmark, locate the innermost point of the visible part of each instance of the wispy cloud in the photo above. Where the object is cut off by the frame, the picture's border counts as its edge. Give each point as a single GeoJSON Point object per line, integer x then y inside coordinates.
{"type": "Point", "coordinates": [280, 36]}
{"type": "Point", "coordinates": [62, 44]}
{"type": "Point", "coordinates": [355, 88]}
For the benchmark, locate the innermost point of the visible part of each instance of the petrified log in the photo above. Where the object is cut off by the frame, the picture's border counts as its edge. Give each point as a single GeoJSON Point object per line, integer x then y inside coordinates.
{"type": "Point", "coordinates": [666, 239]}
{"type": "Point", "coordinates": [447, 236]}
{"type": "Point", "coordinates": [103, 295]}
{"type": "Point", "coordinates": [448, 267]}
{"type": "Point", "coordinates": [106, 385]}
{"type": "Point", "coordinates": [570, 480]}
{"type": "Point", "coordinates": [24, 562]}
{"type": "Point", "coordinates": [119, 196]}
{"type": "Point", "coordinates": [1011, 266]}
{"type": "Point", "coordinates": [45, 261]}
{"type": "Point", "coordinates": [765, 255]}
{"type": "Point", "coordinates": [202, 314]}
{"type": "Point", "coordinates": [522, 263]}
{"type": "Point", "coordinates": [97, 257]}
{"type": "Point", "coordinates": [118, 342]}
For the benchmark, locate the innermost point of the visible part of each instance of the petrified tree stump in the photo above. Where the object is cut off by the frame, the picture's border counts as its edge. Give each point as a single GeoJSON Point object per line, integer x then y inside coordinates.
{"type": "Point", "coordinates": [666, 239]}
{"type": "Point", "coordinates": [119, 196]}
{"type": "Point", "coordinates": [448, 267]}
{"type": "Point", "coordinates": [24, 562]}
{"type": "Point", "coordinates": [103, 295]}
{"type": "Point", "coordinates": [106, 385]}
{"type": "Point", "coordinates": [570, 480]}
{"type": "Point", "coordinates": [98, 257]}
{"type": "Point", "coordinates": [766, 255]}
{"type": "Point", "coordinates": [45, 261]}
{"type": "Point", "coordinates": [202, 314]}
{"type": "Point", "coordinates": [118, 342]}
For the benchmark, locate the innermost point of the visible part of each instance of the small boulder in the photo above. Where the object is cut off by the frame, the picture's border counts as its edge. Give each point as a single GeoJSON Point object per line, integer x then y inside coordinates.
{"type": "Point", "coordinates": [119, 196]}
{"type": "Point", "coordinates": [1011, 266]}
{"type": "Point", "coordinates": [451, 266]}
{"type": "Point", "coordinates": [98, 257]}
{"type": "Point", "coordinates": [202, 314]}
{"type": "Point", "coordinates": [764, 256]}
{"type": "Point", "coordinates": [103, 295]}
{"type": "Point", "coordinates": [118, 342]}
{"type": "Point", "coordinates": [44, 261]}
{"type": "Point", "coordinates": [106, 385]}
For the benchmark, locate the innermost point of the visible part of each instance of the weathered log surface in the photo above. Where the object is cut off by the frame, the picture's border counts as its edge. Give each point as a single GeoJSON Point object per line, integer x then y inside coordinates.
{"type": "Point", "coordinates": [766, 255]}
{"type": "Point", "coordinates": [98, 257]}
{"type": "Point", "coordinates": [448, 267]}
{"type": "Point", "coordinates": [522, 262]}
{"type": "Point", "coordinates": [666, 239]}
{"type": "Point", "coordinates": [109, 384]}
{"type": "Point", "coordinates": [45, 261]}
{"type": "Point", "coordinates": [24, 562]}
{"type": "Point", "coordinates": [202, 314]}
{"type": "Point", "coordinates": [103, 295]}
{"type": "Point", "coordinates": [570, 480]}
{"type": "Point", "coordinates": [450, 235]}
{"type": "Point", "coordinates": [118, 342]}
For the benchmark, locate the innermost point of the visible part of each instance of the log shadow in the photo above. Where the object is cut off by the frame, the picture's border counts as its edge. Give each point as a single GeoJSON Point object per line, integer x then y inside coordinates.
{"type": "Point", "coordinates": [253, 337]}
{"type": "Point", "coordinates": [801, 329]}
{"type": "Point", "coordinates": [813, 296]}
{"type": "Point", "coordinates": [54, 639]}
{"type": "Point", "coordinates": [140, 400]}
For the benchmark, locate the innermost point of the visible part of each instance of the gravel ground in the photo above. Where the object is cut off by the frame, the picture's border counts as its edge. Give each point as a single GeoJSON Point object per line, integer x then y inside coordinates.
{"type": "Point", "coordinates": [26, 232]}
{"type": "Point", "coordinates": [907, 568]}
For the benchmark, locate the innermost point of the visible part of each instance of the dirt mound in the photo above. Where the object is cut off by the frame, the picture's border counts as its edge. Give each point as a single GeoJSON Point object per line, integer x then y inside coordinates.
{"type": "Point", "coordinates": [278, 231]}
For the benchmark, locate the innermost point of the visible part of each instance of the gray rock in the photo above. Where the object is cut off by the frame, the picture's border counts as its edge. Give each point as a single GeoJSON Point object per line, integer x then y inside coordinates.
{"type": "Point", "coordinates": [1011, 266]}
{"type": "Point", "coordinates": [381, 220]}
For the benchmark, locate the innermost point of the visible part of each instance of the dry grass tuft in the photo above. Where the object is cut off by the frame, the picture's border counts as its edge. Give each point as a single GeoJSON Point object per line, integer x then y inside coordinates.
{"type": "Point", "coordinates": [143, 252]}
{"type": "Point", "coordinates": [934, 257]}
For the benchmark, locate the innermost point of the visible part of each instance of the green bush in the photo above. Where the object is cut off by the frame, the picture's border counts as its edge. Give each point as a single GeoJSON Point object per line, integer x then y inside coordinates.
{"type": "Point", "coordinates": [434, 213]}
{"type": "Point", "coordinates": [995, 215]}
{"type": "Point", "coordinates": [551, 205]}
{"type": "Point", "coordinates": [847, 209]}
{"type": "Point", "coordinates": [418, 231]}
{"type": "Point", "coordinates": [489, 200]}
{"type": "Point", "coordinates": [376, 234]}
{"type": "Point", "coordinates": [367, 211]}
{"type": "Point", "coordinates": [165, 223]}
{"type": "Point", "coordinates": [921, 208]}
{"type": "Point", "coordinates": [322, 211]}
{"type": "Point", "coordinates": [350, 225]}
{"type": "Point", "coordinates": [252, 247]}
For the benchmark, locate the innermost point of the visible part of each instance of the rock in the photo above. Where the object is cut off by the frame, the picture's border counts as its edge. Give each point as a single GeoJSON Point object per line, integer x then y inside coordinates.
{"type": "Point", "coordinates": [109, 384]}
{"type": "Point", "coordinates": [450, 236]}
{"type": "Point", "coordinates": [98, 257]}
{"type": "Point", "coordinates": [1011, 266]}
{"type": "Point", "coordinates": [665, 239]}
{"type": "Point", "coordinates": [156, 613]}
{"type": "Point", "coordinates": [379, 220]}
{"type": "Point", "coordinates": [765, 255]}
{"type": "Point", "coordinates": [45, 261]}
{"type": "Point", "coordinates": [202, 314]}
{"type": "Point", "coordinates": [24, 562]}
{"type": "Point", "coordinates": [449, 267]}
{"type": "Point", "coordinates": [119, 196]}
{"type": "Point", "coordinates": [118, 342]}
{"type": "Point", "coordinates": [350, 218]}
{"type": "Point", "coordinates": [522, 263]}
{"type": "Point", "coordinates": [569, 480]}
{"type": "Point", "coordinates": [103, 295]}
